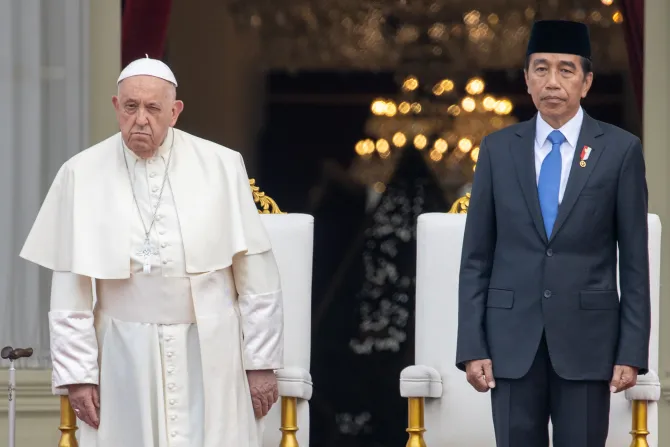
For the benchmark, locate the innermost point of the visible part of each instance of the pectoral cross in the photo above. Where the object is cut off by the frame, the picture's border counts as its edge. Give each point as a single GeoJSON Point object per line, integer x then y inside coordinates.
{"type": "Point", "coordinates": [146, 252]}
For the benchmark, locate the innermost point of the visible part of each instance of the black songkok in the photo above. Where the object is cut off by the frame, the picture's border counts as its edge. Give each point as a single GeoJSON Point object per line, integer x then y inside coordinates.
{"type": "Point", "coordinates": [560, 36]}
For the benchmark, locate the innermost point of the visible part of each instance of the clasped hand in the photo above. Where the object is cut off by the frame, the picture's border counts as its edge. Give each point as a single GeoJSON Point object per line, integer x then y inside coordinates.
{"type": "Point", "coordinates": [480, 374]}
{"type": "Point", "coordinates": [264, 391]}
{"type": "Point", "coordinates": [623, 377]}
{"type": "Point", "coordinates": [85, 401]}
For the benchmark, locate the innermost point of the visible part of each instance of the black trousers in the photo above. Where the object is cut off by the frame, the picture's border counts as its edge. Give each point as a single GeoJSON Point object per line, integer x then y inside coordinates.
{"type": "Point", "coordinates": [522, 408]}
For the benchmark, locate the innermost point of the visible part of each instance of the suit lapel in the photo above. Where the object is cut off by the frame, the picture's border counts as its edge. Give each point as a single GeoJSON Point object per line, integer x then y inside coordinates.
{"type": "Point", "coordinates": [523, 154]}
{"type": "Point", "coordinates": [588, 136]}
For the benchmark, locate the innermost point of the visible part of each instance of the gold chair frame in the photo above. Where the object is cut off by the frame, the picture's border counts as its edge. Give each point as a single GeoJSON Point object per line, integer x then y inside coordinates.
{"type": "Point", "coordinates": [416, 405]}
{"type": "Point", "coordinates": [289, 405]}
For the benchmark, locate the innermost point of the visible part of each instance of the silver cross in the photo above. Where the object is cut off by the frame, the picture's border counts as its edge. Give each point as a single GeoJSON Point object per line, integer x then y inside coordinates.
{"type": "Point", "coordinates": [146, 252]}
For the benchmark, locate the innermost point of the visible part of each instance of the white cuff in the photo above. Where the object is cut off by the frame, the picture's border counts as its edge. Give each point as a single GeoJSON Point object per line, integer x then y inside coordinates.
{"type": "Point", "coordinates": [420, 381]}
{"type": "Point", "coordinates": [294, 382]}
{"type": "Point", "coordinates": [647, 388]}
{"type": "Point", "coordinates": [74, 349]}
{"type": "Point", "coordinates": [262, 330]}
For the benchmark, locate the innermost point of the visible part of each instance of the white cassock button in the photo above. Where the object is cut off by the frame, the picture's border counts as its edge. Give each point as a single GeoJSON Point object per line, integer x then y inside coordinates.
{"type": "Point", "coordinates": [154, 189]}
{"type": "Point", "coordinates": [152, 175]}
{"type": "Point", "coordinates": [171, 386]}
{"type": "Point", "coordinates": [173, 434]}
{"type": "Point", "coordinates": [161, 232]}
{"type": "Point", "coordinates": [172, 401]}
{"type": "Point", "coordinates": [151, 161]}
{"type": "Point", "coordinates": [168, 338]}
{"type": "Point", "coordinates": [165, 261]}
{"type": "Point", "coordinates": [169, 354]}
{"type": "Point", "coordinates": [173, 417]}
{"type": "Point", "coordinates": [170, 369]}
{"type": "Point", "coordinates": [164, 244]}
{"type": "Point", "coordinates": [159, 217]}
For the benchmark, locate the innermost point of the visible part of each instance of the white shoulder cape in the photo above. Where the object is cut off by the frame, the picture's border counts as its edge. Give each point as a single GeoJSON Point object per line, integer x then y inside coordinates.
{"type": "Point", "coordinates": [84, 224]}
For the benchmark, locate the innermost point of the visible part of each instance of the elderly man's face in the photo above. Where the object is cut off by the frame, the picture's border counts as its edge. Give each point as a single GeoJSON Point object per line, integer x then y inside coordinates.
{"type": "Point", "coordinates": [146, 107]}
{"type": "Point", "coordinates": [557, 83]}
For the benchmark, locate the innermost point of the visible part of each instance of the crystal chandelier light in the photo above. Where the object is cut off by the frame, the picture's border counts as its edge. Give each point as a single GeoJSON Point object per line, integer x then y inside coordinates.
{"type": "Point", "coordinates": [377, 34]}
{"type": "Point", "coordinates": [446, 126]}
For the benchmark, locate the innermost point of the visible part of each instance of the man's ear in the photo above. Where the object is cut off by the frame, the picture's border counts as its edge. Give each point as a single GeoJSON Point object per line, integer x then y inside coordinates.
{"type": "Point", "coordinates": [588, 81]}
{"type": "Point", "coordinates": [525, 77]}
{"type": "Point", "coordinates": [177, 108]}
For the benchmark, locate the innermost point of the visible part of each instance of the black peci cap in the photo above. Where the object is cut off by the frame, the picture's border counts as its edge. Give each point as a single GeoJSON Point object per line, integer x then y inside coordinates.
{"type": "Point", "coordinates": [560, 36]}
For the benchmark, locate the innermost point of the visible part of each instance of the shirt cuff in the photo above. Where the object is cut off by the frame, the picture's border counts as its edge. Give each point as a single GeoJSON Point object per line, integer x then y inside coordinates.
{"type": "Point", "coordinates": [262, 330]}
{"type": "Point", "coordinates": [74, 348]}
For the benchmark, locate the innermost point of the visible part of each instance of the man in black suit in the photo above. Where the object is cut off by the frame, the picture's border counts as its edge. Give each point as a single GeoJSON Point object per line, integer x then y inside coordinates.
{"type": "Point", "coordinates": [541, 323]}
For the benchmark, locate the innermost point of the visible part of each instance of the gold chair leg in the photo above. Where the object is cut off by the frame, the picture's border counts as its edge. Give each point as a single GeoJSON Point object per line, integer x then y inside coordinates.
{"type": "Point", "coordinates": [68, 424]}
{"type": "Point", "coordinates": [639, 430]}
{"type": "Point", "coordinates": [289, 422]}
{"type": "Point", "coordinates": [415, 428]}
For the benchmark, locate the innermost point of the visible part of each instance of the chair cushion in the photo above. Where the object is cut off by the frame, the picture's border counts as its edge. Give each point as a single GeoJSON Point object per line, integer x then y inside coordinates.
{"type": "Point", "coordinates": [420, 381]}
{"type": "Point", "coordinates": [648, 388]}
{"type": "Point", "coordinates": [295, 382]}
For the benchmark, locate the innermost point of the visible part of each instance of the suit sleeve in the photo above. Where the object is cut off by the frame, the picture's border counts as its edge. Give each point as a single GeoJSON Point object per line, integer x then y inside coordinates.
{"type": "Point", "coordinates": [260, 301]}
{"type": "Point", "coordinates": [633, 241]}
{"type": "Point", "coordinates": [74, 345]}
{"type": "Point", "coordinates": [476, 260]}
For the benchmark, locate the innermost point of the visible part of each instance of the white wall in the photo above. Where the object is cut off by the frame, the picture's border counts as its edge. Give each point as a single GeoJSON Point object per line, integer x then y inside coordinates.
{"type": "Point", "coordinates": [37, 410]}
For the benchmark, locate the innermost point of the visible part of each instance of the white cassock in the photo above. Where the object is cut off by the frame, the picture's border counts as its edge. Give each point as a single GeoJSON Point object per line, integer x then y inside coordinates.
{"type": "Point", "coordinates": [169, 348]}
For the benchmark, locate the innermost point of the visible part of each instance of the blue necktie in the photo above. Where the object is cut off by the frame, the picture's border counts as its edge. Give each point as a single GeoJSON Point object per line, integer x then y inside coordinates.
{"type": "Point", "coordinates": [550, 181]}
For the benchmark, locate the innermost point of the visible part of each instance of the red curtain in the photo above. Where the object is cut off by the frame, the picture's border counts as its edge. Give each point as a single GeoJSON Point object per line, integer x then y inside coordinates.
{"type": "Point", "coordinates": [144, 29]}
{"type": "Point", "coordinates": [633, 23]}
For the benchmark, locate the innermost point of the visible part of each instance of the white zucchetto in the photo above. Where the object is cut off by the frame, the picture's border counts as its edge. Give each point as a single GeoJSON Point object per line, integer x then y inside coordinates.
{"type": "Point", "coordinates": [148, 67]}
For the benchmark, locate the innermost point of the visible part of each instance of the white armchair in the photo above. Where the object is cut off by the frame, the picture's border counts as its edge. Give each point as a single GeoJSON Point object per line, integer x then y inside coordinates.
{"type": "Point", "coordinates": [292, 243]}
{"type": "Point", "coordinates": [442, 403]}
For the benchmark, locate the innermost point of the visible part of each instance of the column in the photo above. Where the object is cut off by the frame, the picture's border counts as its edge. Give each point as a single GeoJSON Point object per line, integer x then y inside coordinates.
{"type": "Point", "coordinates": [104, 50]}
{"type": "Point", "coordinates": [656, 133]}
{"type": "Point", "coordinates": [220, 78]}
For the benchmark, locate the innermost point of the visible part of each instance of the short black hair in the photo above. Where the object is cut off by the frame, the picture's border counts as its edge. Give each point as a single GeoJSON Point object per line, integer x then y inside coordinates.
{"type": "Point", "coordinates": [587, 64]}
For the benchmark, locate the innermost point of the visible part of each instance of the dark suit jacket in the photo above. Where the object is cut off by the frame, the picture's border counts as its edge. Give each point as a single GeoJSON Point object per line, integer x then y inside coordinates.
{"type": "Point", "coordinates": [516, 283]}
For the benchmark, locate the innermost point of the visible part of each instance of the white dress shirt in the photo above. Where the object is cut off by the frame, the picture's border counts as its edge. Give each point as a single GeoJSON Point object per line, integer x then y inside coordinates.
{"type": "Point", "coordinates": [570, 131]}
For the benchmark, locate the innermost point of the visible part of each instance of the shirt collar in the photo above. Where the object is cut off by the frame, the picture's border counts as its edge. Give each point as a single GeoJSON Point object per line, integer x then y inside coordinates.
{"type": "Point", "coordinates": [570, 129]}
{"type": "Point", "coordinates": [163, 149]}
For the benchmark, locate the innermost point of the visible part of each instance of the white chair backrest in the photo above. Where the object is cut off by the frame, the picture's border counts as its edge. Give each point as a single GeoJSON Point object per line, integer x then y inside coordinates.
{"type": "Point", "coordinates": [463, 416]}
{"type": "Point", "coordinates": [292, 237]}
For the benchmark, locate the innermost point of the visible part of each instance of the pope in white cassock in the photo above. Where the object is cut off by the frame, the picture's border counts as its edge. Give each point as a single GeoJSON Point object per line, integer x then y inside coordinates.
{"type": "Point", "coordinates": [179, 344]}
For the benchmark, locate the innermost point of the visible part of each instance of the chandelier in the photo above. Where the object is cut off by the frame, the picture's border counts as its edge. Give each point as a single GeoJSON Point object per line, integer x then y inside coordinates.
{"type": "Point", "coordinates": [446, 124]}
{"type": "Point", "coordinates": [379, 34]}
